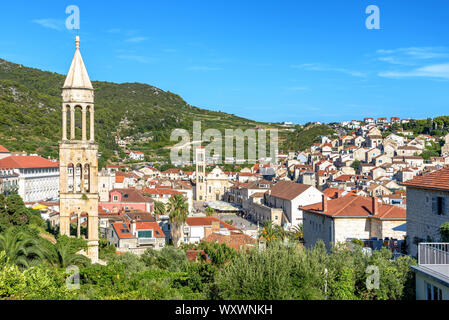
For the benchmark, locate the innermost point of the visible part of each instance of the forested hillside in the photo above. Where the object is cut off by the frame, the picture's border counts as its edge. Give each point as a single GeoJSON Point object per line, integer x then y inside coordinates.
{"type": "Point", "coordinates": [30, 102]}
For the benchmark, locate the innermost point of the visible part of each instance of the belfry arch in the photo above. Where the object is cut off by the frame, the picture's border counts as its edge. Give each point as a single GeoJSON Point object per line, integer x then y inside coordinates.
{"type": "Point", "coordinates": [78, 156]}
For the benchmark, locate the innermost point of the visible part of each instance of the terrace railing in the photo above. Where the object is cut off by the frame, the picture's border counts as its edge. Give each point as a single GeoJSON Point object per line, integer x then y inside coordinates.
{"type": "Point", "coordinates": [433, 253]}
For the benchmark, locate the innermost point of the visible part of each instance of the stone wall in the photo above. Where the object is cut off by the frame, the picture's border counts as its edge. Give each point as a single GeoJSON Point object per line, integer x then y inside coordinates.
{"type": "Point", "coordinates": [421, 222]}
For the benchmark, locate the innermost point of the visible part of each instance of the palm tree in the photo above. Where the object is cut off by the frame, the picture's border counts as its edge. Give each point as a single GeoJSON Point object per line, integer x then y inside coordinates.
{"type": "Point", "coordinates": [20, 248]}
{"type": "Point", "coordinates": [298, 231]}
{"type": "Point", "coordinates": [268, 232]}
{"type": "Point", "coordinates": [159, 208]}
{"type": "Point", "coordinates": [280, 232]}
{"type": "Point", "coordinates": [178, 209]}
{"type": "Point", "coordinates": [62, 255]}
{"type": "Point", "coordinates": [210, 212]}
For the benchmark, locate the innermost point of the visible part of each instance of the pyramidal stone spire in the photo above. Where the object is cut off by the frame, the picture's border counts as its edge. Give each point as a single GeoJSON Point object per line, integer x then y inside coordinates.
{"type": "Point", "coordinates": [77, 78]}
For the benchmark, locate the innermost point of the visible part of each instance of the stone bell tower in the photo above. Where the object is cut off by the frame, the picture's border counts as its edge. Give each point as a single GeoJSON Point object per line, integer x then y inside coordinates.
{"type": "Point", "coordinates": [78, 168]}
{"type": "Point", "coordinates": [200, 186]}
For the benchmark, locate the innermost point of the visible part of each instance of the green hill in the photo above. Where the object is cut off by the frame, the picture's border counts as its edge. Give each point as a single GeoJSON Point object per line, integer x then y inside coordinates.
{"type": "Point", "coordinates": [304, 137]}
{"type": "Point", "coordinates": [30, 101]}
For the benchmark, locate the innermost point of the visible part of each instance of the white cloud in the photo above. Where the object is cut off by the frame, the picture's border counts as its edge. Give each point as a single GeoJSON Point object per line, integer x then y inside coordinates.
{"type": "Point", "coordinates": [54, 24]}
{"type": "Point", "coordinates": [430, 71]}
{"type": "Point", "coordinates": [411, 55]}
{"type": "Point", "coordinates": [136, 39]}
{"type": "Point", "coordinates": [319, 67]}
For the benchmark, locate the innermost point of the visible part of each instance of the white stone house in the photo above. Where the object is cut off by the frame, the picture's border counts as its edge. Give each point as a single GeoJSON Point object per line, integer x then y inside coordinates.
{"type": "Point", "coordinates": [38, 178]}
{"type": "Point", "coordinates": [352, 217]}
{"type": "Point", "coordinates": [137, 155]}
{"type": "Point", "coordinates": [427, 207]}
{"type": "Point", "coordinates": [290, 196]}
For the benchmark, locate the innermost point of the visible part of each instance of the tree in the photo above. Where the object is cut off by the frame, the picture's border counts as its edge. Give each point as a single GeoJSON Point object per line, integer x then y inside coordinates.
{"type": "Point", "coordinates": [281, 233]}
{"type": "Point", "coordinates": [444, 232]}
{"type": "Point", "coordinates": [13, 212]}
{"type": "Point", "coordinates": [268, 232]}
{"type": "Point", "coordinates": [298, 230]}
{"type": "Point", "coordinates": [64, 253]}
{"type": "Point", "coordinates": [210, 212]}
{"type": "Point", "coordinates": [178, 208]}
{"type": "Point", "coordinates": [356, 165]}
{"type": "Point", "coordinates": [20, 248]}
{"type": "Point", "coordinates": [159, 208]}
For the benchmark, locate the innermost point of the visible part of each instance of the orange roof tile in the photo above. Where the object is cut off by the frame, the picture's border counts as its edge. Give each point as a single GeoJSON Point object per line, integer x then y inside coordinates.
{"type": "Point", "coordinates": [3, 149]}
{"type": "Point", "coordinates": [357, 206]}
{"type": "Point", "coordinates": [234, 240]}
{"type": "Point", "coordinates": [27, 162]}
{"type": "Point", "coordinates": [288, 190]}
{"type": "Point", "coordinates": [438, 180]}
{"type": "Point", "coordinates": [207, 221]}
{"type": "Point", "coordinates": [151, 226]}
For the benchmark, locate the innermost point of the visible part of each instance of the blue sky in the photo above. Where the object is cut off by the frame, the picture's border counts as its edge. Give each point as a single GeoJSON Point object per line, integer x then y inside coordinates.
{"type": "Point", "coordinates": [265, 60]}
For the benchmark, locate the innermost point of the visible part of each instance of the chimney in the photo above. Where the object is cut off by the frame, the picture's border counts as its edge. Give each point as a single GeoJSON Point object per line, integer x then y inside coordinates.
{"type": "Point", "coordinates": [215, 226]}
{"type": "Point", "coordinates": [375, 206]}
{"type": "Point", "coordinates": [133, 227]}
{"type": "Point", "coordinates": [324, 202]}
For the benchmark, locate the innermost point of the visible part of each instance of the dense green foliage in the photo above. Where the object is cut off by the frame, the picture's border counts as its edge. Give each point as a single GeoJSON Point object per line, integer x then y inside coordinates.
{"type": "Point", "coordinates": [304, 137]}
{"type": "Point", "coordinates": [30, 101]}
{"type": "Point", "coordinates": [444, 232]}
{"type": "Point", "coordinates": [34, 266]}
{"type": "Point", "coordinates": [287, 272]}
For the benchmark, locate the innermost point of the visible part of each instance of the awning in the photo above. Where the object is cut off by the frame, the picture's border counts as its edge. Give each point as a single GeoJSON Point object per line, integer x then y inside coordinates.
{"type": "Point", "coordinates": [40, 207]}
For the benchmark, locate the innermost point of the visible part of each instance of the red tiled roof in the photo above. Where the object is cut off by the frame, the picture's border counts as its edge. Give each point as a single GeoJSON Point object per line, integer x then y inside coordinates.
{"type": "Point", "coordinates": [192, 255]}
{"type": "Point", "coordinates": [172, 171]}
{"type": "Point", "coordinates": [123, 230]}
{"type": "Point", "coordinates": [160, 191]}
{"type": "Point", "coordinates": [346, 177]}
{"type": "Point", "coordinates": [234, 240]}
{"type": "Point", "coordinates": [246, 174]}
{"type": "Point", "coordinates": [438, 180]}
{"type": "Point", "coordinates": [357, 206]}
{"type": "Point", "coordinates": [332, 192]}
{"type": "Point", "coordinates": [3, 149]}
{"type": "Point", "coordinates": [132, 196]}
{"type": "Point", "coordinates": [207, 221]}
{"type": "Point", "coordinates": [151, 226]}
{"type": "Point", "coordinates": [288, 190]}
{"type": "Point", "coordinates": [27, 162]}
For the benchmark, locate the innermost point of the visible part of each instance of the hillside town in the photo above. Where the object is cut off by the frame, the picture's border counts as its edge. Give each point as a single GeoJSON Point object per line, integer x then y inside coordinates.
{"type": "Point", "coordinates": [358, 187]}
{"type": "Point", "coordinates": [345, 210]}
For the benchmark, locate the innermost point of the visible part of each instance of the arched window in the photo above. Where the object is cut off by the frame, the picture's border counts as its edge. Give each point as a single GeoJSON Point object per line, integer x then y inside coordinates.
{"type": "Point", "coordinates": [78, 185]}
{"type": "Point", "coordinates": [86, 178]}
{"type": "Point", "coordinates": [78, 125]}
{"type": "Point", "coordinates": [70, 178]}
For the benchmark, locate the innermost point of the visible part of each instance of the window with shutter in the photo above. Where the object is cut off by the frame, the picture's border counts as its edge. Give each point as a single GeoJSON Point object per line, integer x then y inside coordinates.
{"type": "Point", "coordinates": [440, 205]}
{"type": "Point", "coordinates": [443, 206]}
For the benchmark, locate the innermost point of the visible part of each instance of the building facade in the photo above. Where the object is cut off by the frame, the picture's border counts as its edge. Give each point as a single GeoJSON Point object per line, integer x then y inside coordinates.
{"type": "Point", "coordinates": [37, 178]}
{"type": "Point", "coordinates": [427, 207]}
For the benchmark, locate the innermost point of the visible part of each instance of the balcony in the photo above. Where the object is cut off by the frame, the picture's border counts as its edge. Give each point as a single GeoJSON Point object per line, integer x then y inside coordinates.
{"type": "Point", "coordinates": [146, 241]}
{"type": "Point", "coordinates": [433, 254]}
{"type": "Point", "coordinates": [433, 262]}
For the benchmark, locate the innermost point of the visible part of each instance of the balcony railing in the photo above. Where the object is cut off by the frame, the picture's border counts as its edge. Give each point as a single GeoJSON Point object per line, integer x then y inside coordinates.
{"type": "Point", "coordinates": [433, 253]}
{"type": "Point", "coordinates": [146, 241]}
